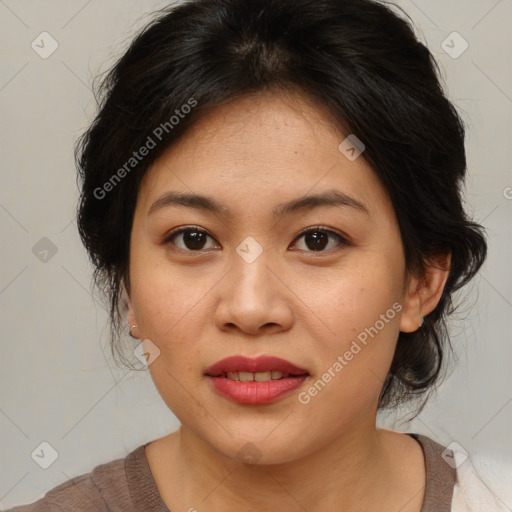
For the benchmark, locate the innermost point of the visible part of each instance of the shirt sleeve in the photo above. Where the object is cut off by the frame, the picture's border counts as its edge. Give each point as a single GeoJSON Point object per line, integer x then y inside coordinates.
{"type": "Point", "coordinates": [79, 494]}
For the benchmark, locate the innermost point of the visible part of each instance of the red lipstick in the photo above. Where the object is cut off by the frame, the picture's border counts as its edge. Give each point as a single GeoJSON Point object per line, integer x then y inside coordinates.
{"type": "Point", "coordinates": [262, 380]}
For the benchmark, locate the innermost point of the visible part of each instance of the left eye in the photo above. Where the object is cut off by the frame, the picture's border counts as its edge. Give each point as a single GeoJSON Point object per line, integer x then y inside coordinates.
{"type": "Point", "coordinates": [317, 239]}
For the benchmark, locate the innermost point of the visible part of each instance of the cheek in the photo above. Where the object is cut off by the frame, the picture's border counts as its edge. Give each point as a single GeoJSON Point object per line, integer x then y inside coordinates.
{"type": "Point", "coordinates": [355, 340]}
{"type": "Point", "coordinates": [347, 303]}
{"type": "Point", "coordinates": [168, 308]}
{"type": "Point", "coordinates": [354, 366]}
{"type": "Point", "coordinates": [168, 311]}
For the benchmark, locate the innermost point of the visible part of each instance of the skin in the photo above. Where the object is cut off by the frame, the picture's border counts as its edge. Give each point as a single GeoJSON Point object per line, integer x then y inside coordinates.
{"type": "Point", "coordinates": [293, 302]}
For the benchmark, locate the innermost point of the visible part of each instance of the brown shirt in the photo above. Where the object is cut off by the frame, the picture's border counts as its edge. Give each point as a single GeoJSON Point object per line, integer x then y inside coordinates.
{"type": "Point", "coordinates": [127, 485]}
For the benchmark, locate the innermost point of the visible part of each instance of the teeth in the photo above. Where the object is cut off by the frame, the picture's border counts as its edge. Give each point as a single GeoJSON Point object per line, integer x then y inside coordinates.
{"type": "Point", "coordinates": [262, 376]}
{"type": "Point", "coordinates": [246, 376]}
{"type": "Point", "coordinates": [258, 376]}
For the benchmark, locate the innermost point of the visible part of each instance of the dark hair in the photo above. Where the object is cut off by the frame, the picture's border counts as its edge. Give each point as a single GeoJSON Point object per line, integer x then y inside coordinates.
{"type": "Point", "coordinates": [359, 59]}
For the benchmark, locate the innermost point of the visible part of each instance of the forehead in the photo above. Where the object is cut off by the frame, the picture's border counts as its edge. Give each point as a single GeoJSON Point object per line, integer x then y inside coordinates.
{"type": "Point", "coordinates": [262, 147]}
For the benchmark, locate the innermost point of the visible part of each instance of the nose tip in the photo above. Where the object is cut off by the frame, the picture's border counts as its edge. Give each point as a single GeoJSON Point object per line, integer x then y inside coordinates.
{"type": "Point", "coordinates": [256, 328]}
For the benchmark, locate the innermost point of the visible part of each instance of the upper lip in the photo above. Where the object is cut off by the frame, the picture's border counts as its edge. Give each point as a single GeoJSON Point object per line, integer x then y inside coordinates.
{"type": "Point", "coordinates": [254, 365]}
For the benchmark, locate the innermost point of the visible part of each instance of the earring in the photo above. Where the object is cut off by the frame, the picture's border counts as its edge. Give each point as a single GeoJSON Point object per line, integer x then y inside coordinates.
{"type": "Point", "coordinates": [131, 334]}
{"type": "Point", "coordinates": [422, 322]}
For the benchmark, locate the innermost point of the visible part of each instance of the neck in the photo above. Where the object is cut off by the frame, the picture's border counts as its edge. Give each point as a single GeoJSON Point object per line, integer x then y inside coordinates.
{"type": "Point", "coordinates": [345, 474]}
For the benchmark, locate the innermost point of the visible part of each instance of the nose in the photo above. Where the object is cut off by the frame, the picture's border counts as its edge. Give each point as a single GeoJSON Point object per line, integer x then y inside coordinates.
{"type": "Point", "coordinates": [254, 299]}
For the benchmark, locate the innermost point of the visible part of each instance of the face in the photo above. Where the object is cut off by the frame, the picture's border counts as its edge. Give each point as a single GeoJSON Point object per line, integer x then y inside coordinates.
{"type": "Point", "coordinates": [260, 268]}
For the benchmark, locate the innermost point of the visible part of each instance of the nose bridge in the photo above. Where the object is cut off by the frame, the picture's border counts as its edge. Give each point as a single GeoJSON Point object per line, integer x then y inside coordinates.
{"type": "Point", "coordinates": [252, 297]}
{"type": "Point", "coordinates": [250, 251]}
{"type": "Point", "coordinates": [251, 263]}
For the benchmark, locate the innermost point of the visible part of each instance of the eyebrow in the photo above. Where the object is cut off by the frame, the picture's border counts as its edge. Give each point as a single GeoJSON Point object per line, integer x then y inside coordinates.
{"type": "Point", "coordinates": [305, 203]}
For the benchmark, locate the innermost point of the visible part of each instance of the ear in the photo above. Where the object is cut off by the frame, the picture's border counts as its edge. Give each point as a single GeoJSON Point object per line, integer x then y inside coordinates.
{"type": "Point", "coordinates": [424, 292]}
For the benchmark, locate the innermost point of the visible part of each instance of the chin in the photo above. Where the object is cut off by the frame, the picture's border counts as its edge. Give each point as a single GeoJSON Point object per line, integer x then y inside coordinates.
{"type": "Point", "coordinates": [255, 449]}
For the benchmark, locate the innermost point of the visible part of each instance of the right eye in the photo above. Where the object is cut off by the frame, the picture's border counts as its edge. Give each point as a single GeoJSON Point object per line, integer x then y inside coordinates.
{"type": "Point", "coordinates": [188, 239]}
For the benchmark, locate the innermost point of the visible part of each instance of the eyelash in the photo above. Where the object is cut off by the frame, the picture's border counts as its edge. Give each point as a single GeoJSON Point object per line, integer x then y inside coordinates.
{"type": "Point", "coordinates": [315, 229]}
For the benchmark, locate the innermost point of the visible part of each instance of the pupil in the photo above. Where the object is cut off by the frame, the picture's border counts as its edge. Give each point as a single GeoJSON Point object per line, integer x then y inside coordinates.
{"type": "Point", "coordinates": [194, 239]}
{"type": "Point", "coordinates": [319, 240]}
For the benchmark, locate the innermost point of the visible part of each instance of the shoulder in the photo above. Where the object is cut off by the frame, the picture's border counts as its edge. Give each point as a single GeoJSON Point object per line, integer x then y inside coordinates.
{"type": "Point", "coordinates": [473, 490]}
{"type": "Point", "coordinates": [454, 483]}
{"type": "Point", "coordinates": [440, 476]}
{"type": "Point", "coordinates": [104, 489]}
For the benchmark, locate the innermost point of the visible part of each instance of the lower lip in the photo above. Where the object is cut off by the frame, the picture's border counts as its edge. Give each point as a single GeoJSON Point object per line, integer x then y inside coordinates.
{"type": "Point", "coordinates": [256, 392]}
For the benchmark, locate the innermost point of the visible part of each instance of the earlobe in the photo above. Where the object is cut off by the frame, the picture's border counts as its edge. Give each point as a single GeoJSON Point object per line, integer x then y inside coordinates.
{"type": "Point", "coordinates": [130, 317]}
{"type": "Point", "coordinates": [424, 293]}
{"type": "Point", "coordinates": [411, 307]}
{"type": "Point", "coordinates": [133, 329]}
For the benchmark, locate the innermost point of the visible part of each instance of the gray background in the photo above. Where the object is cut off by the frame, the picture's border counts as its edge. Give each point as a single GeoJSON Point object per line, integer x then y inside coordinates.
{"type": "Point", "coordinates": [59, 383]}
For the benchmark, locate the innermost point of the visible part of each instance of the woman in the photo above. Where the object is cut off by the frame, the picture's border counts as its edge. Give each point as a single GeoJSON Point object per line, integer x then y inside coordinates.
{"type": "Point", "coordinates": [271, 197]}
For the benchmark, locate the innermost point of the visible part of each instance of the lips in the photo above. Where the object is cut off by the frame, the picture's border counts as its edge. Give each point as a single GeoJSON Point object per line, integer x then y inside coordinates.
{"type": "Point", "coordinates": [255, 381]}
{"type": "Point", "coordinates": [260, 364]}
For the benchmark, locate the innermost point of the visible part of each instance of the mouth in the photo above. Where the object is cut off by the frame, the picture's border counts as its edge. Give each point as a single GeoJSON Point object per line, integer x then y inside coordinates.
{"type": "Point", "coordinates": [257, 376]}
{"type": "Point", "coordinates": [265, 367]}
{"type": "Point", "coordinates": [262, 380]}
